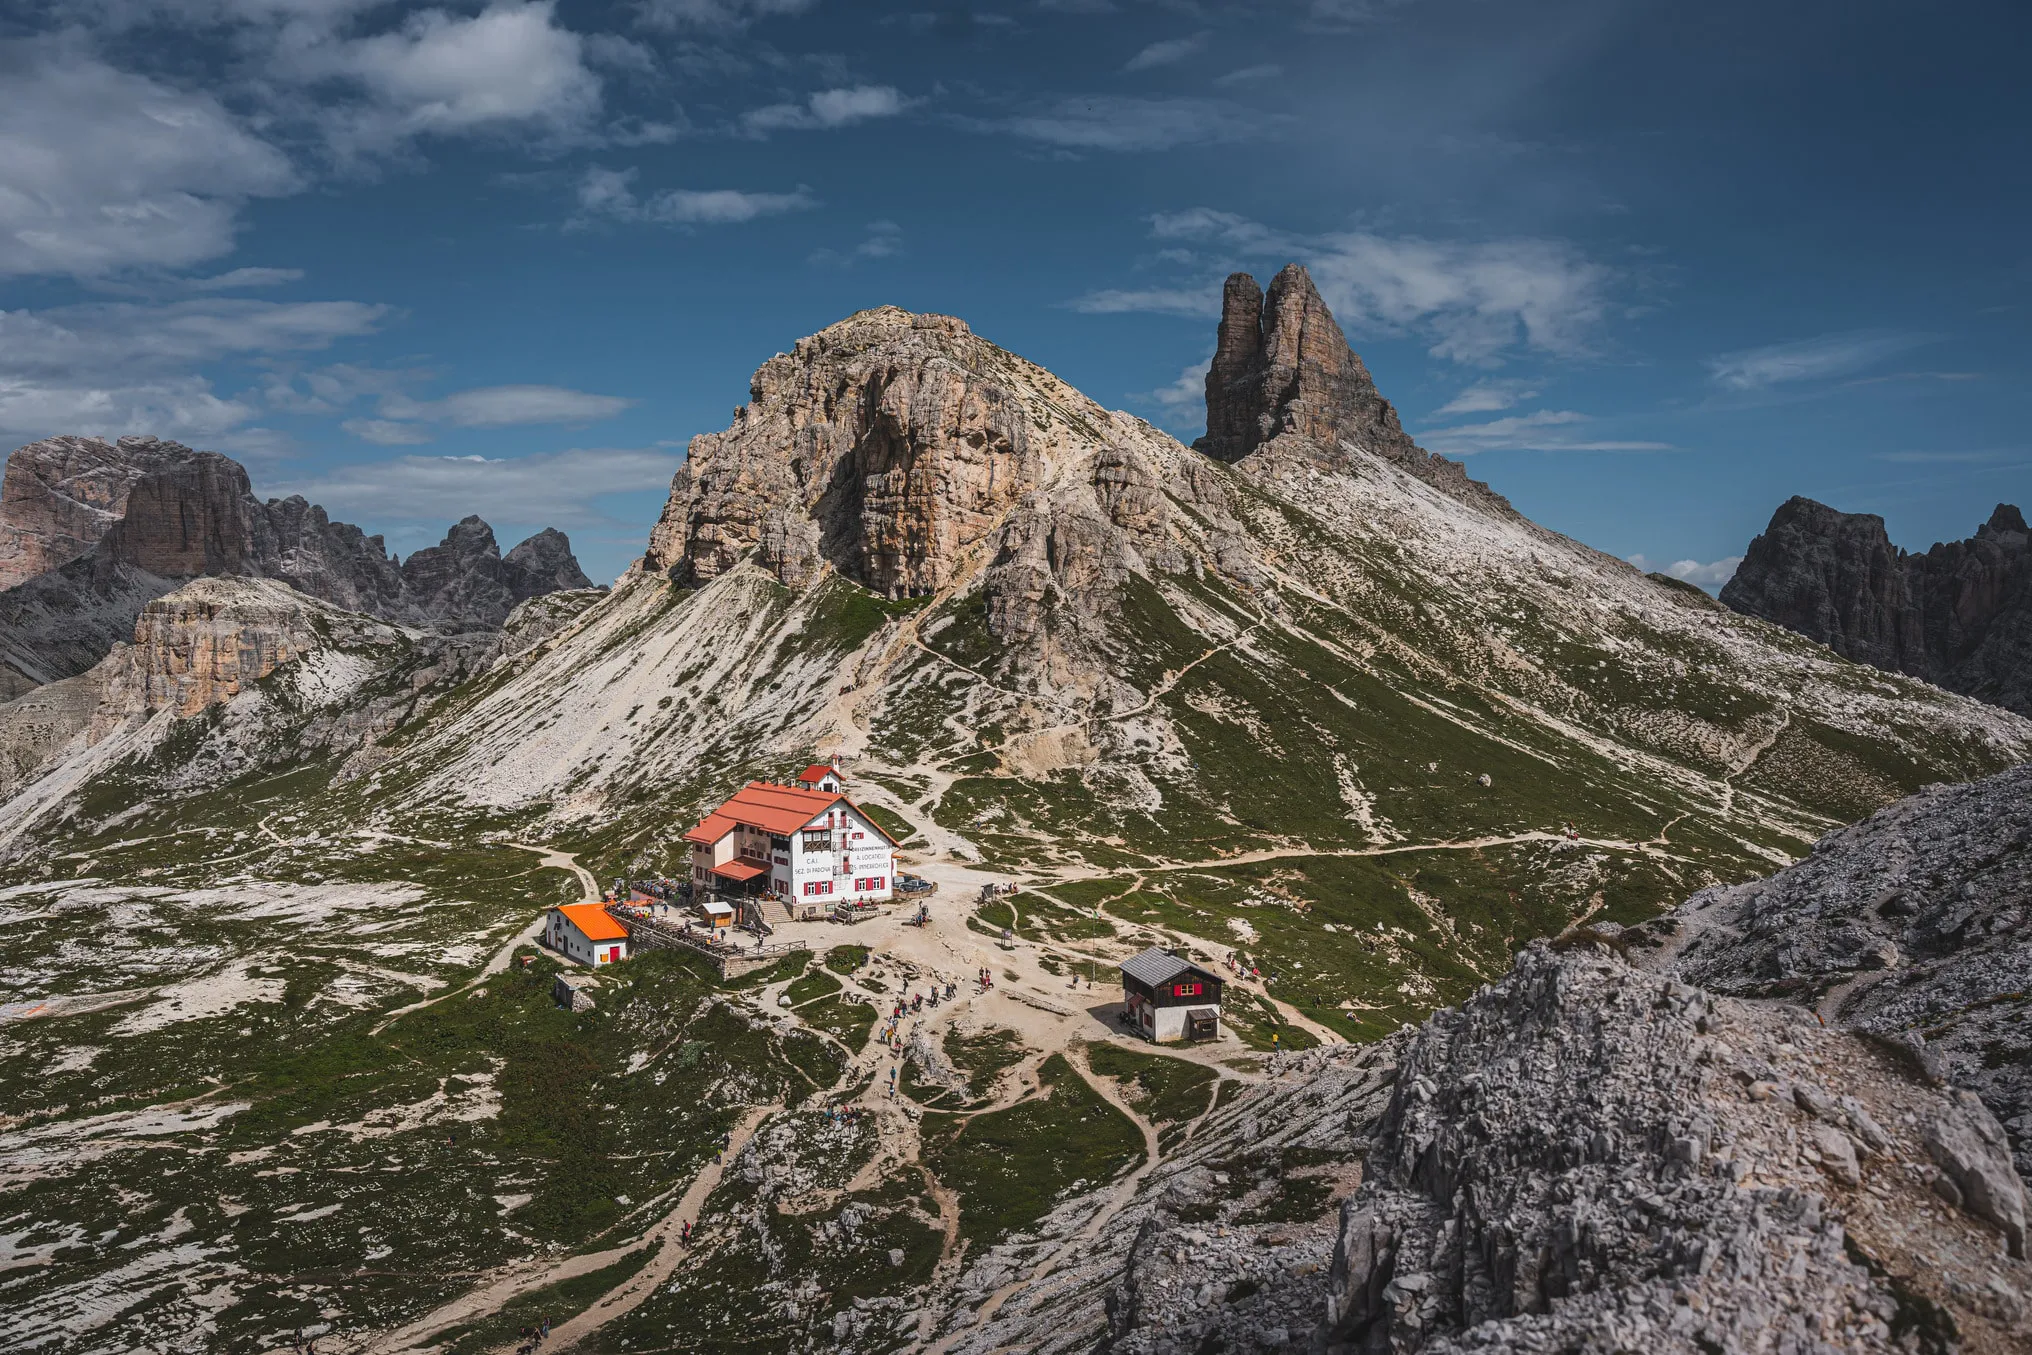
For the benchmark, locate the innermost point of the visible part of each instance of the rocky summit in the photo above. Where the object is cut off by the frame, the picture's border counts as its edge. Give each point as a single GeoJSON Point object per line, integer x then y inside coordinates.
{"type": "Point", "coordinates": [113, 525]}
{"type": "Point", "coordinates": [1573, 964]}
{"type": "Point", "coordinates": [60, 495]}
{"type": "Point", "coordinates": [1281, 366]}
{"type": "Point", "coordinates": [1959, 615]}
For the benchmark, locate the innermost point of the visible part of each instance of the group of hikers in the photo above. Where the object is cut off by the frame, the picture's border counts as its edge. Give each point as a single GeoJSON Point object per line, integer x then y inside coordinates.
{"type": "Point", "coordinates": [532, 1337]}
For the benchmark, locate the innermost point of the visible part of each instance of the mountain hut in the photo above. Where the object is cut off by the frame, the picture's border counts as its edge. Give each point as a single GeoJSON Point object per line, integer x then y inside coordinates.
{"type": "Point", "coordinates": [1170, 999]}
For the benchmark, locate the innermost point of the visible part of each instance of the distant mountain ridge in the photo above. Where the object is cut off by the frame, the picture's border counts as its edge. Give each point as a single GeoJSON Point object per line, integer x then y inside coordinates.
{"type": "Point", "coordinates": [1958, 615]}
{"type": "Point", "coordinates": [91, 530]}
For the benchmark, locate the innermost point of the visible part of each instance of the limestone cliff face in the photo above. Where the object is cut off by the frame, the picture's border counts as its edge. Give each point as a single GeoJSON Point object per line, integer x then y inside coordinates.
{"type": "Point", "coordinates": [133, 519]}
{"type": "Point", "coordinates": [1282, 368]}
{"type": "Point", "coordinates": [189, 516]}
{"type": "Point", "coordinates": [884, 446]}
{"type": "Point", "coordinates": [210, 640]}
{"type": "Point", "coordinates": [910, 456]}
{"type": "Point", "coordinates": [196, 647]}
{"type": "Point", "coordinates": [60, 495]}
{"type": "Point", "coordinates": [1959, 615]}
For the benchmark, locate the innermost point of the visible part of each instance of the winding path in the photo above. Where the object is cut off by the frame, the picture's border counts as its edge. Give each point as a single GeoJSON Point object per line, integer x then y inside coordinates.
{"type": "Point", "coordinates": [630, 1294]}
{"type": "Point", "coordinates": [589, 892]}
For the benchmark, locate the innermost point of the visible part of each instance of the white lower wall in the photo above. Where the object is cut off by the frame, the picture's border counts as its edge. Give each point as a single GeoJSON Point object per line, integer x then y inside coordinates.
{"type": "Point", "coordinates": [1171, 1023]}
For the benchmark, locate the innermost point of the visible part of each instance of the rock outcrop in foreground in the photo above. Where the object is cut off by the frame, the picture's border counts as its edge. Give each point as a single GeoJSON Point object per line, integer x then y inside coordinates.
{"type": "Point", "coordinates": [1914, 926]}
{"type": "Point", "coordinates": [129, 521]}
{"type": "Point", "coordinates": [1595, 1154]}
{"type": "Point", "coordinates": [1282, 366]}
{"type": "Point", "coordinates": [1959, 616]}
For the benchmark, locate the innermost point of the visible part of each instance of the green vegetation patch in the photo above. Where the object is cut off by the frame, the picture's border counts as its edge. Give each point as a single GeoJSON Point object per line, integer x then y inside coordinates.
{"type": "Point", "coordinates": [555, 1302]}
{"type": "Point", "coordinates": [1165, 1090]}
{"type": "Point", "coordinates": [846, 959]}
{"type": "Point", "coordinates": [1010, 1167]}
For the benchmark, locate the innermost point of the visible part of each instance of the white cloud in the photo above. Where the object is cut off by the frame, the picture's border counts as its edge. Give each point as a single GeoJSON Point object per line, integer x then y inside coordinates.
{"type": "Point", "coordinates": [386, 432]}
{"type": "Point", "coordinates": [1710, 576]}
{"type": "Point", "coordinates": [1111, 123]}
{"type": "Point", "coordinates": [112, 368]}
{"type": "Point", "coordinates": [1486, 396]}
{"type": "Point", "coordinates": [1945, 458]}
{"type": "Point", "coordinates": [1472, 301]}
{"type": "Point", "coordinates": [1535, 431]}
{"type": "Point", "coordinates": [245, 277]}
{"type": "Point", "coordinates": [1249, 75]}
{"type": "Point", "coordinates": [610, 193]}
{"type": "Point", "coordinates": [178, 407]}
{"type": "Point", "coordinates": [1183, 399]}
{"type": "Point", "coordinates": [509, 67]}
{"type": "Point", "coordinates": [553, 487]}
{"type": "Point", "coordinates": [1167, 53]}
{"type": "Point", "coordinates": [500, 406]}
{"type": "Point", "coordinates": [403, 420]}
{"type": "Point", "coordinates": [1196, 303]}
{"type": "Point", "coordinates": [107, 171]}
{"type": "Point", "coordinates": [1830, 355]}
{"type": "Point", "coordinates": [670, 14]}
{"type": "Point", "coordinates": [884, 240]}
{"type": "Point", "coordinates": [826, 109]}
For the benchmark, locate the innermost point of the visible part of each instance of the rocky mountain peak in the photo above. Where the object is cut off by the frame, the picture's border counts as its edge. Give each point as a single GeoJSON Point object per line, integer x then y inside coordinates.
{"type": "Point", "coordinates": [547, 564]}
{"type": "Point", "coordinates": [884, 445]}
{"type": "Point", "coordinates": [2007, 518]}
{"type": "Point", "coordinates": [124, 522]}
{"type": "Point", "coordinates": [465, 579]}
{"type": "Point", "coordinates": [1282, 367]}
{"type": "Point", "coordinates": [186, 517]}
{"type": "Point", "coordinates": [59, 496]}
{"type": "Point", "coordinates": [1959, 615]}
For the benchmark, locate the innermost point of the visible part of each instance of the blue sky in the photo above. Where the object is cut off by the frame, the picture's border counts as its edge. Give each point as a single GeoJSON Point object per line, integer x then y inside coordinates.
{"type": "Point", "coordinates": [1649, 267]}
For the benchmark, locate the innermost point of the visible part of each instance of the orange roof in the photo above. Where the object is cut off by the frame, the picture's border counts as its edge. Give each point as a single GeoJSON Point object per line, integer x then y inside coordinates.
{"type": "Point", "coordinates": [738, 870]}
{"type": "Point", "coordinates": [815, 773]}
{"type": "Point", "coordinates": [773, 809]}
{"type": "Point", "coordinates": [711, 829]}
{"type": "Point", "coordinates": [592, 919]}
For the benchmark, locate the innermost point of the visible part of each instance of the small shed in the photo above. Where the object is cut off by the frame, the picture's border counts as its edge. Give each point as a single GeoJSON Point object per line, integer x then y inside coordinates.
{"type": "Point", "coordinates": [587, 933]}
{"type": "Point", "coordinates": [719, 916]}
{"type": "Point", "coordinates": [1167, 998]}
{"type": "Point", "coordinates": [573, 991]}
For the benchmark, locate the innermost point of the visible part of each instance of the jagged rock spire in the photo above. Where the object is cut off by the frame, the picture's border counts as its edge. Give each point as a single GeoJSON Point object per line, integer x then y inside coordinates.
{"type": "Point", "coordinates": [1282, 366]}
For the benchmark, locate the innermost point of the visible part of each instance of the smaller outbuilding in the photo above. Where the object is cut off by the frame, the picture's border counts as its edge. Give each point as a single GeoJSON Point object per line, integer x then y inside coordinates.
{"type": "Point", "coordinates": [820, 776]}
{"type": "Point", "coordinates": [1170, 999]}
{"type": "Point", "coordinates": [586, 933]}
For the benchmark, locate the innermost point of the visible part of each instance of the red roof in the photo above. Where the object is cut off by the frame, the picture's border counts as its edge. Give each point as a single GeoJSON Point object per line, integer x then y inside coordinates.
{"type": "Point", "coordinates": [592, 919]}
{"type": "Point", "coordinates": [773, 809]}
{"type": "Point", "coordinates": [739, 870]}
{"type": "Point", "coordinates": [711, 829]}
{"type": "Point", "coordinates": [815, 773]}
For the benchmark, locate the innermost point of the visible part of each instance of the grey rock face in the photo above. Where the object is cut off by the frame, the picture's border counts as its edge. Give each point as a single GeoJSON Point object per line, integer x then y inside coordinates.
{"type": "Point", "coordinates": [465, 581]}
{"type": "Point", "coordinates": [135, 519]}
{"type": "Point", "coordinates": [1911, 926]}
{"type": "Point", "coordinates": [1959, 616]}
{"type": "Point", "coordinates": [1282, 367]}
{"type": "Point", "coordinates": [1968, 1143]}
{"type": "Point", "coordinates": [60, 495]}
